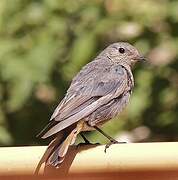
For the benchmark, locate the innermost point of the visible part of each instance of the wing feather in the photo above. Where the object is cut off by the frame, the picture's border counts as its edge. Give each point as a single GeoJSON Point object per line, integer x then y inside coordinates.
{"type": "Point", "coordinates": [83, 113]}
{"type": "Point", "coordinates": [96, 87]}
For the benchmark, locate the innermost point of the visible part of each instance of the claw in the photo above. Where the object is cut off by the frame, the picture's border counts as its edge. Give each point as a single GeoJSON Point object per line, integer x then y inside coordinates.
{"type": "Point", "coordinates": [112, 142]}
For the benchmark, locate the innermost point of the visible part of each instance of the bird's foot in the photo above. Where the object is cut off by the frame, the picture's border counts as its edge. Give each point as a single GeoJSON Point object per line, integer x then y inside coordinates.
{"type": "Point", "coordinates": [112, 142]}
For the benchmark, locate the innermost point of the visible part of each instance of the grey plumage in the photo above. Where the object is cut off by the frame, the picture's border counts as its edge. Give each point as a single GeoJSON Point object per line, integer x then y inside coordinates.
{"type": "Point", "coordinates": [98, 93]}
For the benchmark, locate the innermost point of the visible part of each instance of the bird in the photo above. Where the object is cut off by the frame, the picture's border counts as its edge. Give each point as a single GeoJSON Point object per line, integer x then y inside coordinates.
{"type": "Point", "coordinates": [98, 93]}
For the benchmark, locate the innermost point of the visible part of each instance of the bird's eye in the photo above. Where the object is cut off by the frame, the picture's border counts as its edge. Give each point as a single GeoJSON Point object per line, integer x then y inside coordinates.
{"type": "Point", "coordinates": [121, 50]}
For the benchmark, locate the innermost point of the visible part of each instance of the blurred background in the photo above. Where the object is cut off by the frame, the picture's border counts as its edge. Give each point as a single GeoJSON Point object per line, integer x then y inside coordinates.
{"type": "Point", "coordinates": [44, 43]}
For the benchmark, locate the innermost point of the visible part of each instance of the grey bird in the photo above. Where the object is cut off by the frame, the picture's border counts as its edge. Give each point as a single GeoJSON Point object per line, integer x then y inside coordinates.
{"type": "Point", "coordinates": [98, 93]}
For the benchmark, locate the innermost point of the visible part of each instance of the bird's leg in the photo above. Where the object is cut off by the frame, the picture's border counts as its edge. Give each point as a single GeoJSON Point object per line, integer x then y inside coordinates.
{"type": "Point", "coordinates": [104, 134]}
{"type": "Point", "coordinates": [85, 139]}
{"type": "Point", "coordinates": [87, 142]}
{"type": "Point", "coordinates": [112, 140]}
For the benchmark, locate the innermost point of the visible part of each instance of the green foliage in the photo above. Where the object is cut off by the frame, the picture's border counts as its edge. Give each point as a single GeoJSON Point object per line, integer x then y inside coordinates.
{"type": "Point", "coordinates": [43, 44]}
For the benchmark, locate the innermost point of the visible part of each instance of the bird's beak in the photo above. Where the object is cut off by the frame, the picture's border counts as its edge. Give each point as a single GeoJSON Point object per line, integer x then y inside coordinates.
{"type": "Point", "coordinates": [140, 58]}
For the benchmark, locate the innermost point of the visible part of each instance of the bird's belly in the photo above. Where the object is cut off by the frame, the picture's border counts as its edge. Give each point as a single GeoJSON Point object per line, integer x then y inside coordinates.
{"type": "Point", "coordinates": [107, 111]}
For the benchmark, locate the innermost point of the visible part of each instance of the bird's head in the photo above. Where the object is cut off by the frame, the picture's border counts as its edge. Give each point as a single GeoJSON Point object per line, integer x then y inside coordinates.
{"type": "Point", "coordinates": [123, 53]}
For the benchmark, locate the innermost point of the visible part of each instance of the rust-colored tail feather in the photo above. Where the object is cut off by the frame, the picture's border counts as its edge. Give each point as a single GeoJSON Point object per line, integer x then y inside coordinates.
{"type": "Point", "coordinates": [59, 151]}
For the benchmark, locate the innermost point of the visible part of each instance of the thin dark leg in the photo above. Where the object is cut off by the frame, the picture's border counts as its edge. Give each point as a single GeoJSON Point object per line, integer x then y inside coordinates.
{"type": "Point", "coordinates": [85, 139]}
{"type": "Point", "coordinates": [112, 140]}
{"type": "Point", "coordinates": [104, 134]}
{"type": "Point", "coordinates": [87, 142]}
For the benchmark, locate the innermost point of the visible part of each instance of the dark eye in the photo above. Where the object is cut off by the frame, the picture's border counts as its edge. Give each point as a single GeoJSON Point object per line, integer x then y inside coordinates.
{"type": "Point", "coordinates": [121, 50]}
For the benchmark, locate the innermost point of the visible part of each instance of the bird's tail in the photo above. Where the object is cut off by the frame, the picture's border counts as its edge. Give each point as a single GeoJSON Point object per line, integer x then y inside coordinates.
{"type": "Point", "coordinates": [60, 147]}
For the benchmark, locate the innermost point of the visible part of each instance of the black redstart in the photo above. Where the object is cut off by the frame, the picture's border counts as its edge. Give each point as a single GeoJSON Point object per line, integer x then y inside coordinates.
{"type": "Point", "coordinates": [98, 93]}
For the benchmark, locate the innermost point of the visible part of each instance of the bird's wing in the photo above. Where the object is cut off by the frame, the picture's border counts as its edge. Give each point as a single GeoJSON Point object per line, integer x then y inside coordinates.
{"type": "Point", "coordinates": [79, 91]}
{"type": "Point", "coordinates": [92, 87]}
